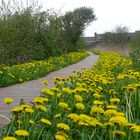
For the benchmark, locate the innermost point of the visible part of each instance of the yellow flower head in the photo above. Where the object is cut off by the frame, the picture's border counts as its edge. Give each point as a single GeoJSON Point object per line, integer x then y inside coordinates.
{"type": "Point", "coordinates": [96, 95]}
{"type": "Point", "coordinates": [66, 90]}
{"type": "Point", "coordinates": [38, 100]}
{"type": "Point", "coordinates": [59, 137]}
{"type": "Point", "coordinates": [29, 110]}
{"type": "Point", "coordinates": [119, 120]}
{"type": "Point", "coordinates": [78, 98]}
{"type": "Point", "coordinates": [119, 133]}
{"type": "Point", "coordinates": [63, 105]}
{"type": "Point", "coordinates": [41, 108]}
{"type": "Point", "coordinates": [110, 112]}
{"type": "Point", "coordinates": [97, 110]}
{"type": "Point", "coordinates": [45, 121]}
{"type": "Point", "coordinates": [111, 107]}
{"type": "Point", "coordinates": [97, 102]}
{"type": "Point", "coordinates": [45, 82]}
{"type": "Point", "coordinates": [74, 117]}
{"type": "Point", "coordinates": [21, 133]}
{"type": "Point", "coordinates": [80, 106]}
{"type": "Point", "coordinates": [135, 128]}
{"type": "Point", "coordinates": [63, 126]}
{"type": "Point", "coordinates": [114, 100]}
{"type": "Point", "coordinates": [17, 109]}
{"type": "Point", "coordinates": [8, 100]}
{"type": "Point", "coordinates": [9, 138]}
{"type": "Point", "coordinates": [57, 115]}
{"type": "Point", "coordinates": [47, 91]}
{"type": "Point", "coordinates": [31, 121]}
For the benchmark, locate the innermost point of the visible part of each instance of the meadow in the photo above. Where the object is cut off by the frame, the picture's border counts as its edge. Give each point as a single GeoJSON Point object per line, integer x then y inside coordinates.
{"type": "Point", "coordinates": [101, 103]}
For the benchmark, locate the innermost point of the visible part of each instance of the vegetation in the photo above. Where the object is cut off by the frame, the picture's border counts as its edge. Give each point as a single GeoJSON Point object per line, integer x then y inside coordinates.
{"type": "Point", "coordinates": [27, 33]}
{"type": "Point", "coordinates": [35, 69]}
{"type": "Point", "coordinates": [135, 49]}
{"type": "Point", "coordinates": [101, 104]}
{"type": "Point", "coordinates": [118, 36]}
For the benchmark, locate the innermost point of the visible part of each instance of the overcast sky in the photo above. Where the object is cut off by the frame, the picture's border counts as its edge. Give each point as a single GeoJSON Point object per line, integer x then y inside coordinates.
{"type": "Point", "coordinates": [109, 13]}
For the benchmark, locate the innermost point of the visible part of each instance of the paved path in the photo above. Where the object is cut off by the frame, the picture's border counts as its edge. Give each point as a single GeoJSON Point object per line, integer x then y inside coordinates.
{"type": "Point", "coordinates": [32, 89]}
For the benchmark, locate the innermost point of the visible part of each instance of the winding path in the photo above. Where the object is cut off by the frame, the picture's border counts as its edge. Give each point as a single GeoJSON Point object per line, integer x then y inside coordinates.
{"type": "Point", "coordinates": [31, 89]}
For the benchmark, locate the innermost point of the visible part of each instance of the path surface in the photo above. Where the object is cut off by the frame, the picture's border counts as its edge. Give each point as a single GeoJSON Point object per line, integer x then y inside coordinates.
{"type": "Point", "coordinates": [31, 89]}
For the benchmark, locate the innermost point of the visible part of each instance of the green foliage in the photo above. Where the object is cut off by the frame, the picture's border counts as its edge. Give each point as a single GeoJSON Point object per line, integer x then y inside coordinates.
{"type": "Point", "coordinates": [135, 49]}
{"type": "Point", "coordinates": [119, 36]}
{"type": "Point", "coordinates": [73, 25]}
{"type": "Point", "coordinates": [27, 33]}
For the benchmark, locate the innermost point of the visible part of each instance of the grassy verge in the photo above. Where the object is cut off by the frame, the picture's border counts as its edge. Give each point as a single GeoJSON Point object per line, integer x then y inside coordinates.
{"type": "Point", "coordinates": [32, 70]}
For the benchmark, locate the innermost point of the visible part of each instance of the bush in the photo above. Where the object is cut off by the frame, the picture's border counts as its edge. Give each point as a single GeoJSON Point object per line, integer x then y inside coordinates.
{"type": "Point", "coordinates": [118, 36]}
{"type": "Point", "coordinates": [27, 33]}
{"type": "Point", "coordinates": [135, 49]}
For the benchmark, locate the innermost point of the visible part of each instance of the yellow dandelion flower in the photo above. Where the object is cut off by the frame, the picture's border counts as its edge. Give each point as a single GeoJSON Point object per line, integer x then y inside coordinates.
{"type": "Point", "coordinates": [17, 109]}
{"type": "Point", "coordinates": [97, 102]}
{"type": "Point", "coordinates": [97, 110]}
{"type": "Point", "coordinates": [45, 99]}
{"type": "Point", "coordinates": [96, 95]}
{"type": "Point", "coordinates": [119, 133]}
{"type": "Point", "coordinates": [47, 91]}
{"type": "Point", "coordinates": [31, 121]}
{"type": "Point", "coordinates": [57, 115]}
{"type": "Point", "coordinates": [74, 117]}
{"type": "Point", "coordinates": [83, 123]}
{"type": "Point", "coordinates": [38, 100]}
{"type": "Point", "coordinates": [58, 94]}
{"type": "Point", "coordinates": [110, 112]}
{"type": "Point", "coordinates": [9, 138]}
{"type": "Point", "coordinates": [63, 105]}
{"type": "Point", "coordinates": [62, 134]}
{"type": "Point", "coordinates": [108, 124]}
{"type": "Point", "coordinates": [78, 98]}
{"type": "Point", "coordinates": [111, 107]}
{"type": "Point", "coordinates": [135, 128]}
{"type": "Point", "coordinates": [60, 137]}
{"type": "Point", "coordinates": [41, 108]}
{"type": "Point", "coordinates": [119, 120]}
{"type": "Point", "coordinates": [25, 106]}
{"type": "Point", "coordinates": [120, 114]}
{"type": "Point", "coordinates": [8, 100]}
{"type": "Point", "coordinates": [45, 82]}
{"type": "Point", "coordinates": [21, 133]}
{"type": "Point", "coordinates": [63, 126]}
{"type": "Point", "coordinates": [80, 106]}
{"type": "Point", "coordinates": [29, 110]}
{"type": "Point", "coordinates": [45, 121]}
{"type": "Point", "coordinates": [114, 100]}
{"type": "Point", "coordinates": [66, 90]}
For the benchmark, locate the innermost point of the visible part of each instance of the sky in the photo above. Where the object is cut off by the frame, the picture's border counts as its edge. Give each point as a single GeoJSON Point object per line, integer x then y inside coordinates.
{"type": "Point", "coordinates": [109, 13]}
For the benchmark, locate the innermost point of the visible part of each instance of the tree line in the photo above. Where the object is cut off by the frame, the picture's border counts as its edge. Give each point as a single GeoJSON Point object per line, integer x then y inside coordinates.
{"type": "Point", "coordinates": [27, 33]}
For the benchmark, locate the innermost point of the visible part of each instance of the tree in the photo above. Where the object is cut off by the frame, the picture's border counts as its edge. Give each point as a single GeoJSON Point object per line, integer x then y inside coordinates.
{"type": "Point", "coordinates": [118, 36]}
{"type": "Point", "coordinates": [74, 24]}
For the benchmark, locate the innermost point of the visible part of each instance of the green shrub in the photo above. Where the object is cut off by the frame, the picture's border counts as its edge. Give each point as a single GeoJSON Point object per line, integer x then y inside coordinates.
{"type": "Point", "coordinates": [135, 49]}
